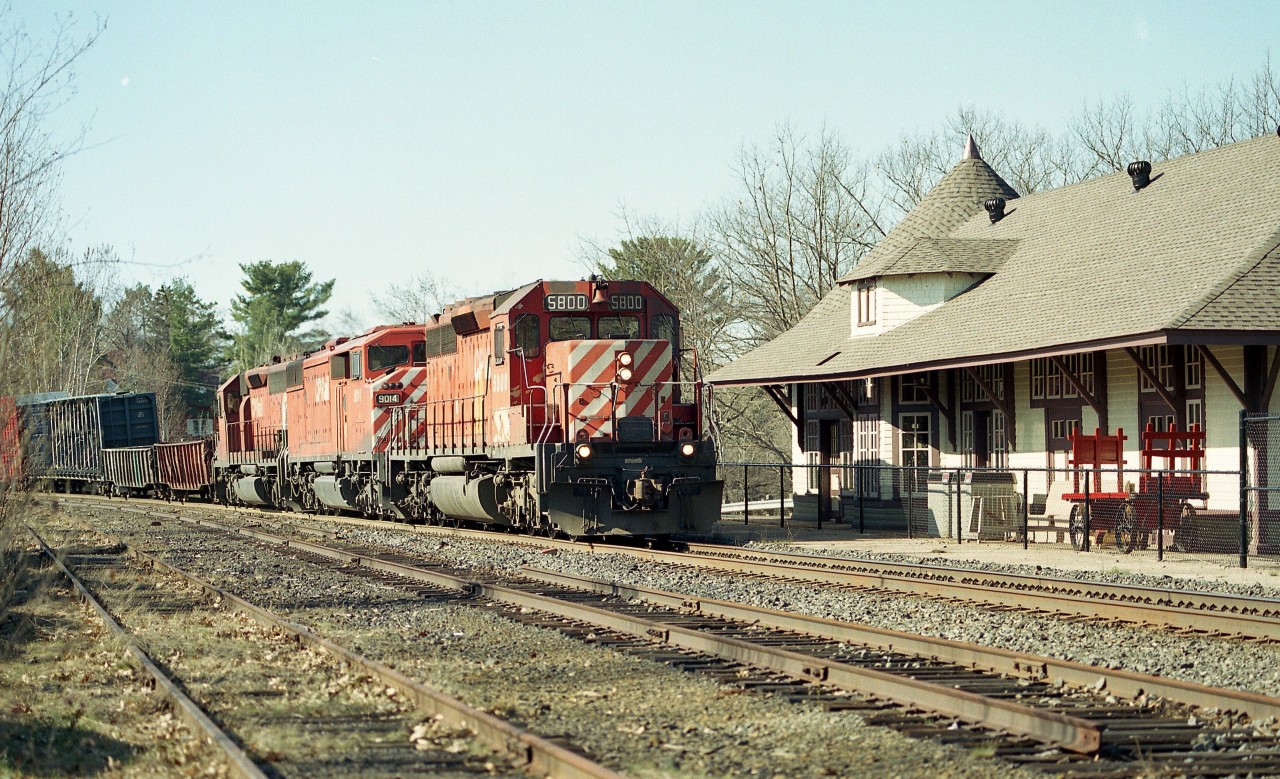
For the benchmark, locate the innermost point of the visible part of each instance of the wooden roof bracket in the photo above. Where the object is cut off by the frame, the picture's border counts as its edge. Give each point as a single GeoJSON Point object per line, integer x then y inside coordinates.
{"type": "Point", "coordinates": [778, 395]}
{"type": "Point", "coordinates": [1011, 426]}
{"type": "Point", "coordinates": [841, 398]}
{"type": "Point", "coordinates": [1095, 403]}
{"type": "Point", "coordinates": [1271, 382]}
{"type": "Point", "coordinates": [948, 412]}
{"type": "Point", "coordinates": [1150, 376]}
{"type": "Point", "coordinates": [1210, 358]}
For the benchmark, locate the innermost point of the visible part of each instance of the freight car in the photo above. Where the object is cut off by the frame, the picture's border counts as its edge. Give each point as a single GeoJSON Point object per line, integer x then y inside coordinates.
{"type": "Point", "coordinates": [557, 407]}
{"type": "Point", "coordinates": [65, 439]}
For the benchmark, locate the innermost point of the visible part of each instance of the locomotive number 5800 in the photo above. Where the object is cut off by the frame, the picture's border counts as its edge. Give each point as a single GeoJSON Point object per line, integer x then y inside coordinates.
{"type": "Point", "coordinates": [566, 301]}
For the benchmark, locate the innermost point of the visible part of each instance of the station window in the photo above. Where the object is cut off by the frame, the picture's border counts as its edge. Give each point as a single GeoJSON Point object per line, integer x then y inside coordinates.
{"type": "Point", "coordinates": [913, 389]}
{"type": "Point", "coordinates": [618, 327]}
{"type": "Point", "coordinates": [569, 328]}
{"type": "Point", "coordinates": [499, 344]}
{"type": "Point", "coordinates": [528, 339]}
{"type": "Point", "coordinates": [866, 303]}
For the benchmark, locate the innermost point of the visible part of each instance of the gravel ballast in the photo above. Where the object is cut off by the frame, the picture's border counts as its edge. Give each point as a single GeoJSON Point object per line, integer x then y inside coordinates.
{"type": "Point", "coordinates": [1212, 661]}
{"type": "Point", "coordinates": [632, 714]}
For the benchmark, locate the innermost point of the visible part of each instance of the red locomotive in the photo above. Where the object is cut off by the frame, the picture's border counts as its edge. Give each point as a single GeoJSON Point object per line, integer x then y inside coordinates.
{"type": "Point", "coordinates": [555, 407]}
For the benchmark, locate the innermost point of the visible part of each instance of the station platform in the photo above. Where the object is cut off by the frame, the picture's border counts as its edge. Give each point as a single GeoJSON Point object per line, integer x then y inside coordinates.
{"type": "Point", "coordinates": [806, 537]}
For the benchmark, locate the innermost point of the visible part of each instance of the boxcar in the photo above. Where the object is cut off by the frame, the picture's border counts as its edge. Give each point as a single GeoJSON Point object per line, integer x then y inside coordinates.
{"type": "Point", "coordinates": [185, 468]}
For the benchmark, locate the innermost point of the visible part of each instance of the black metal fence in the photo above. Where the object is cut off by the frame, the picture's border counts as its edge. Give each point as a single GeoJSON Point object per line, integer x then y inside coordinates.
{"type": "Point", "coordinates": [1152, 511]}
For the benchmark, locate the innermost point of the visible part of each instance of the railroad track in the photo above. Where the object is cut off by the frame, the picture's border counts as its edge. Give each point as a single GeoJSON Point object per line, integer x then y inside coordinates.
{"type": "Point", "coordinates": [1190, 611]}
{"type": "Point", "coordinates": [236, 760]}
{"type": "Point", "coordinates": [445, 716]}
{"type": "Point", "coordinates": [1050, 714]}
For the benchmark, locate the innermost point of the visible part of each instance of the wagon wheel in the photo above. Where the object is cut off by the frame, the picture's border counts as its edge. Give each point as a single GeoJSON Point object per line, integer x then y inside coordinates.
{"type": "Point", "coordinates": [1126, 528]}
{"type": "Point", "coordinates": [1186, 537]}
{"type": "Point", "coordinates": [1075, 528]}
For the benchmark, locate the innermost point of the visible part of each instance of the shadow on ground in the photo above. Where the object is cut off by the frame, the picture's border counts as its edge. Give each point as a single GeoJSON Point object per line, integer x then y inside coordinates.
{"type": "Point", "coordinates": [39, 749]}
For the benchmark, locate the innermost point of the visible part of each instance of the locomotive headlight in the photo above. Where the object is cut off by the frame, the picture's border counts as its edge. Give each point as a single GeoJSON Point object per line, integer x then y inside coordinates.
{"type": "Point", "coordinates": [583, 451]}
{"type": "Point", "coordinates": [624, 374]}
{"type": "Point", "coordinates": [625, 359]}
{"type": "Point", "coordinates": [687, 449]}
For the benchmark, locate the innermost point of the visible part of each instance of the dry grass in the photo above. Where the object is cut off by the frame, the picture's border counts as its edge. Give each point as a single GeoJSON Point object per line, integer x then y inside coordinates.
{"type": "Point", "coordinates": [71, 703]}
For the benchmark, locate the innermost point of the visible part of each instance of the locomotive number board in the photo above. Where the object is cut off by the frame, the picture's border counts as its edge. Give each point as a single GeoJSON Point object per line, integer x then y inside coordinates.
{"type": "Point", "coordinates": [578, 301]}
{"type": "Point", "coordinates": [386, 398]}
{"type": "Point", "coordinates": [566, 301]}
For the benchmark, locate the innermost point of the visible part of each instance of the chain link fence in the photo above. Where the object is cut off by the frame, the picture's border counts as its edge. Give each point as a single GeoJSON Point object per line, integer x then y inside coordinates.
{"type": "Point", "coordinates": [1260, 498]}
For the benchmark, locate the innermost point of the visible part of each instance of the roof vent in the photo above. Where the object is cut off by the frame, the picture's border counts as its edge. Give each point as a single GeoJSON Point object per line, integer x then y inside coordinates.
{"type": "Point", "coordinates": [1140, 172]}
{"type": "Point", "coordinates": [995, 208]}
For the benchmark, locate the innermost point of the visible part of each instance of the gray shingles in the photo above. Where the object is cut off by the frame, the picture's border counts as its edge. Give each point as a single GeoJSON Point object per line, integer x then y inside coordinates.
{"type": "Point", "coordinates": [1093, 261]}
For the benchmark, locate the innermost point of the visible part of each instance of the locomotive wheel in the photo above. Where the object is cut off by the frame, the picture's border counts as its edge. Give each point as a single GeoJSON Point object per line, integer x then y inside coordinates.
{"type": "Point", "coordinates": [1126, 528]}
{"type": "Point", "coordinates": [1075, 528]}
{"type": "Point", "coordinates": [1186, 536]}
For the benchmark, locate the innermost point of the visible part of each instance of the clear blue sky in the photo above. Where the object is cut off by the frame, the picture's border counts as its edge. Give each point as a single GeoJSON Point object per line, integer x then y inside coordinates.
{"type": "Point", "coordinates": [481, 141]}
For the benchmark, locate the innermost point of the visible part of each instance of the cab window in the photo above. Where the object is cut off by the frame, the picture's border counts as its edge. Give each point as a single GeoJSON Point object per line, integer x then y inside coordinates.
{"type": "Point", "coordinates": [618, 327]}
{"type": "Point", "coordinates": [383, 357]}
{"type": "Point", "coordinates": [528, 339]}
{"type": "Point", "coordinates": [499, 344]}
{"type": "Point", "coordinates": [569, 328]}
{"type": "Point", "coordinates": [663, 328]}
{"type": "Point", "coordinates": [419, 352]}
{"type": "Point", "coordinates": [355, 364]}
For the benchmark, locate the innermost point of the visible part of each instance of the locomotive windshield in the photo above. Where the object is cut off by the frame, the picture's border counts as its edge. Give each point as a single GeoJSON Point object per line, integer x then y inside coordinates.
{"type": "Point", "coordinates": [381, 357]}
{"type": "Point", "coordinates": [570, 328]}
{"type": "Point", "coordinates": [619, 327]}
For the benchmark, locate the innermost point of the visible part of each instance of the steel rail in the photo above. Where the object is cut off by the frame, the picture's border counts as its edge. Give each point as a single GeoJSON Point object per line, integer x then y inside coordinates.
{"type": "Point", "coordinates": [1122, 683]}
{"type": "Point", "coordinates": [189, 710]}
{"type": "Point", "coordinates": [541, 757]}
{"type": "Point", "coordinates": [1071, 733]}
{"type": "Point", "coordinates": [1245, 615]}
{"type": "Point", "coordinates": [1238, 615]}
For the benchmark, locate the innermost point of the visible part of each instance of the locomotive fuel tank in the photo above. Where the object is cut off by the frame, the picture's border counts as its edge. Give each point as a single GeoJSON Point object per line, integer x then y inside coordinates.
{"type": "Point", "coordinates": [336, 492]}
{"type": "Point", "coordinates": [477, 499]}
{"type": "Point", "coordinates": [254, 489]}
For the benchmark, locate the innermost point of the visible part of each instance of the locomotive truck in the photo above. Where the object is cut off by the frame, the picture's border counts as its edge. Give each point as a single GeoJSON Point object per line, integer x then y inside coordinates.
{"type": "Point", "coordinates": [557, 407]}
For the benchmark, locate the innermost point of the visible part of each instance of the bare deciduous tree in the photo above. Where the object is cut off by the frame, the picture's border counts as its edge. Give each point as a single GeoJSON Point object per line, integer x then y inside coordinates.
{"type": "Point", "coordinates": [417, 299]}
{"type": "Point", "coordinates": [40, 78]}
{"type": "Point", "coordinates": [803, 215]}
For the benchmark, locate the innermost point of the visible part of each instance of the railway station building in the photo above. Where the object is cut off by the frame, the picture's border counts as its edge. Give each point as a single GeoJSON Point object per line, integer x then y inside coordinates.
{"type": "Point", "coordinates": [985, 328]}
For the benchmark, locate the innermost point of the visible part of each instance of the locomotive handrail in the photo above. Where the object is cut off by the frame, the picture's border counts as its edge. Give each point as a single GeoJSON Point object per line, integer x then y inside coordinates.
{"type": "Point", "coordinates": [452, 425]}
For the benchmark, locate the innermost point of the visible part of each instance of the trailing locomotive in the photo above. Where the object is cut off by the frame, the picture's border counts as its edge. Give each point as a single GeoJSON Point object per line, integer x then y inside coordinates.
{"type": "Point", "coordinates": [555, 407]}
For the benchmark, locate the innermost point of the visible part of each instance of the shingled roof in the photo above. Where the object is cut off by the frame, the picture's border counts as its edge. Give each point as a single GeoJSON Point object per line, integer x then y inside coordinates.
{"type": "Point", "coordinates": [1195, 256]}
{"type": "Point", "coordinates": [953, 200]}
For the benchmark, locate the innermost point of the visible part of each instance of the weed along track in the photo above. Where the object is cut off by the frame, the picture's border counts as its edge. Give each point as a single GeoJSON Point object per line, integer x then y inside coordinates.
{"type": "Point", "coordinates": [275, 707]}
{"type": "Point", "coordinates": [1027, 710]}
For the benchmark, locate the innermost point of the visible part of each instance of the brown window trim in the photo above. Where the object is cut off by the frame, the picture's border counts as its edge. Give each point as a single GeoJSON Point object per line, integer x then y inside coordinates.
{"type": "Point", "coordinates": [866, 295]}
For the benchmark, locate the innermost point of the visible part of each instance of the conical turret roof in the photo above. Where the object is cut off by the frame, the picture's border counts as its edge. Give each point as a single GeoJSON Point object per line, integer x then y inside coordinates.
{"type": "Point", "coordinates": [953, 200]}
